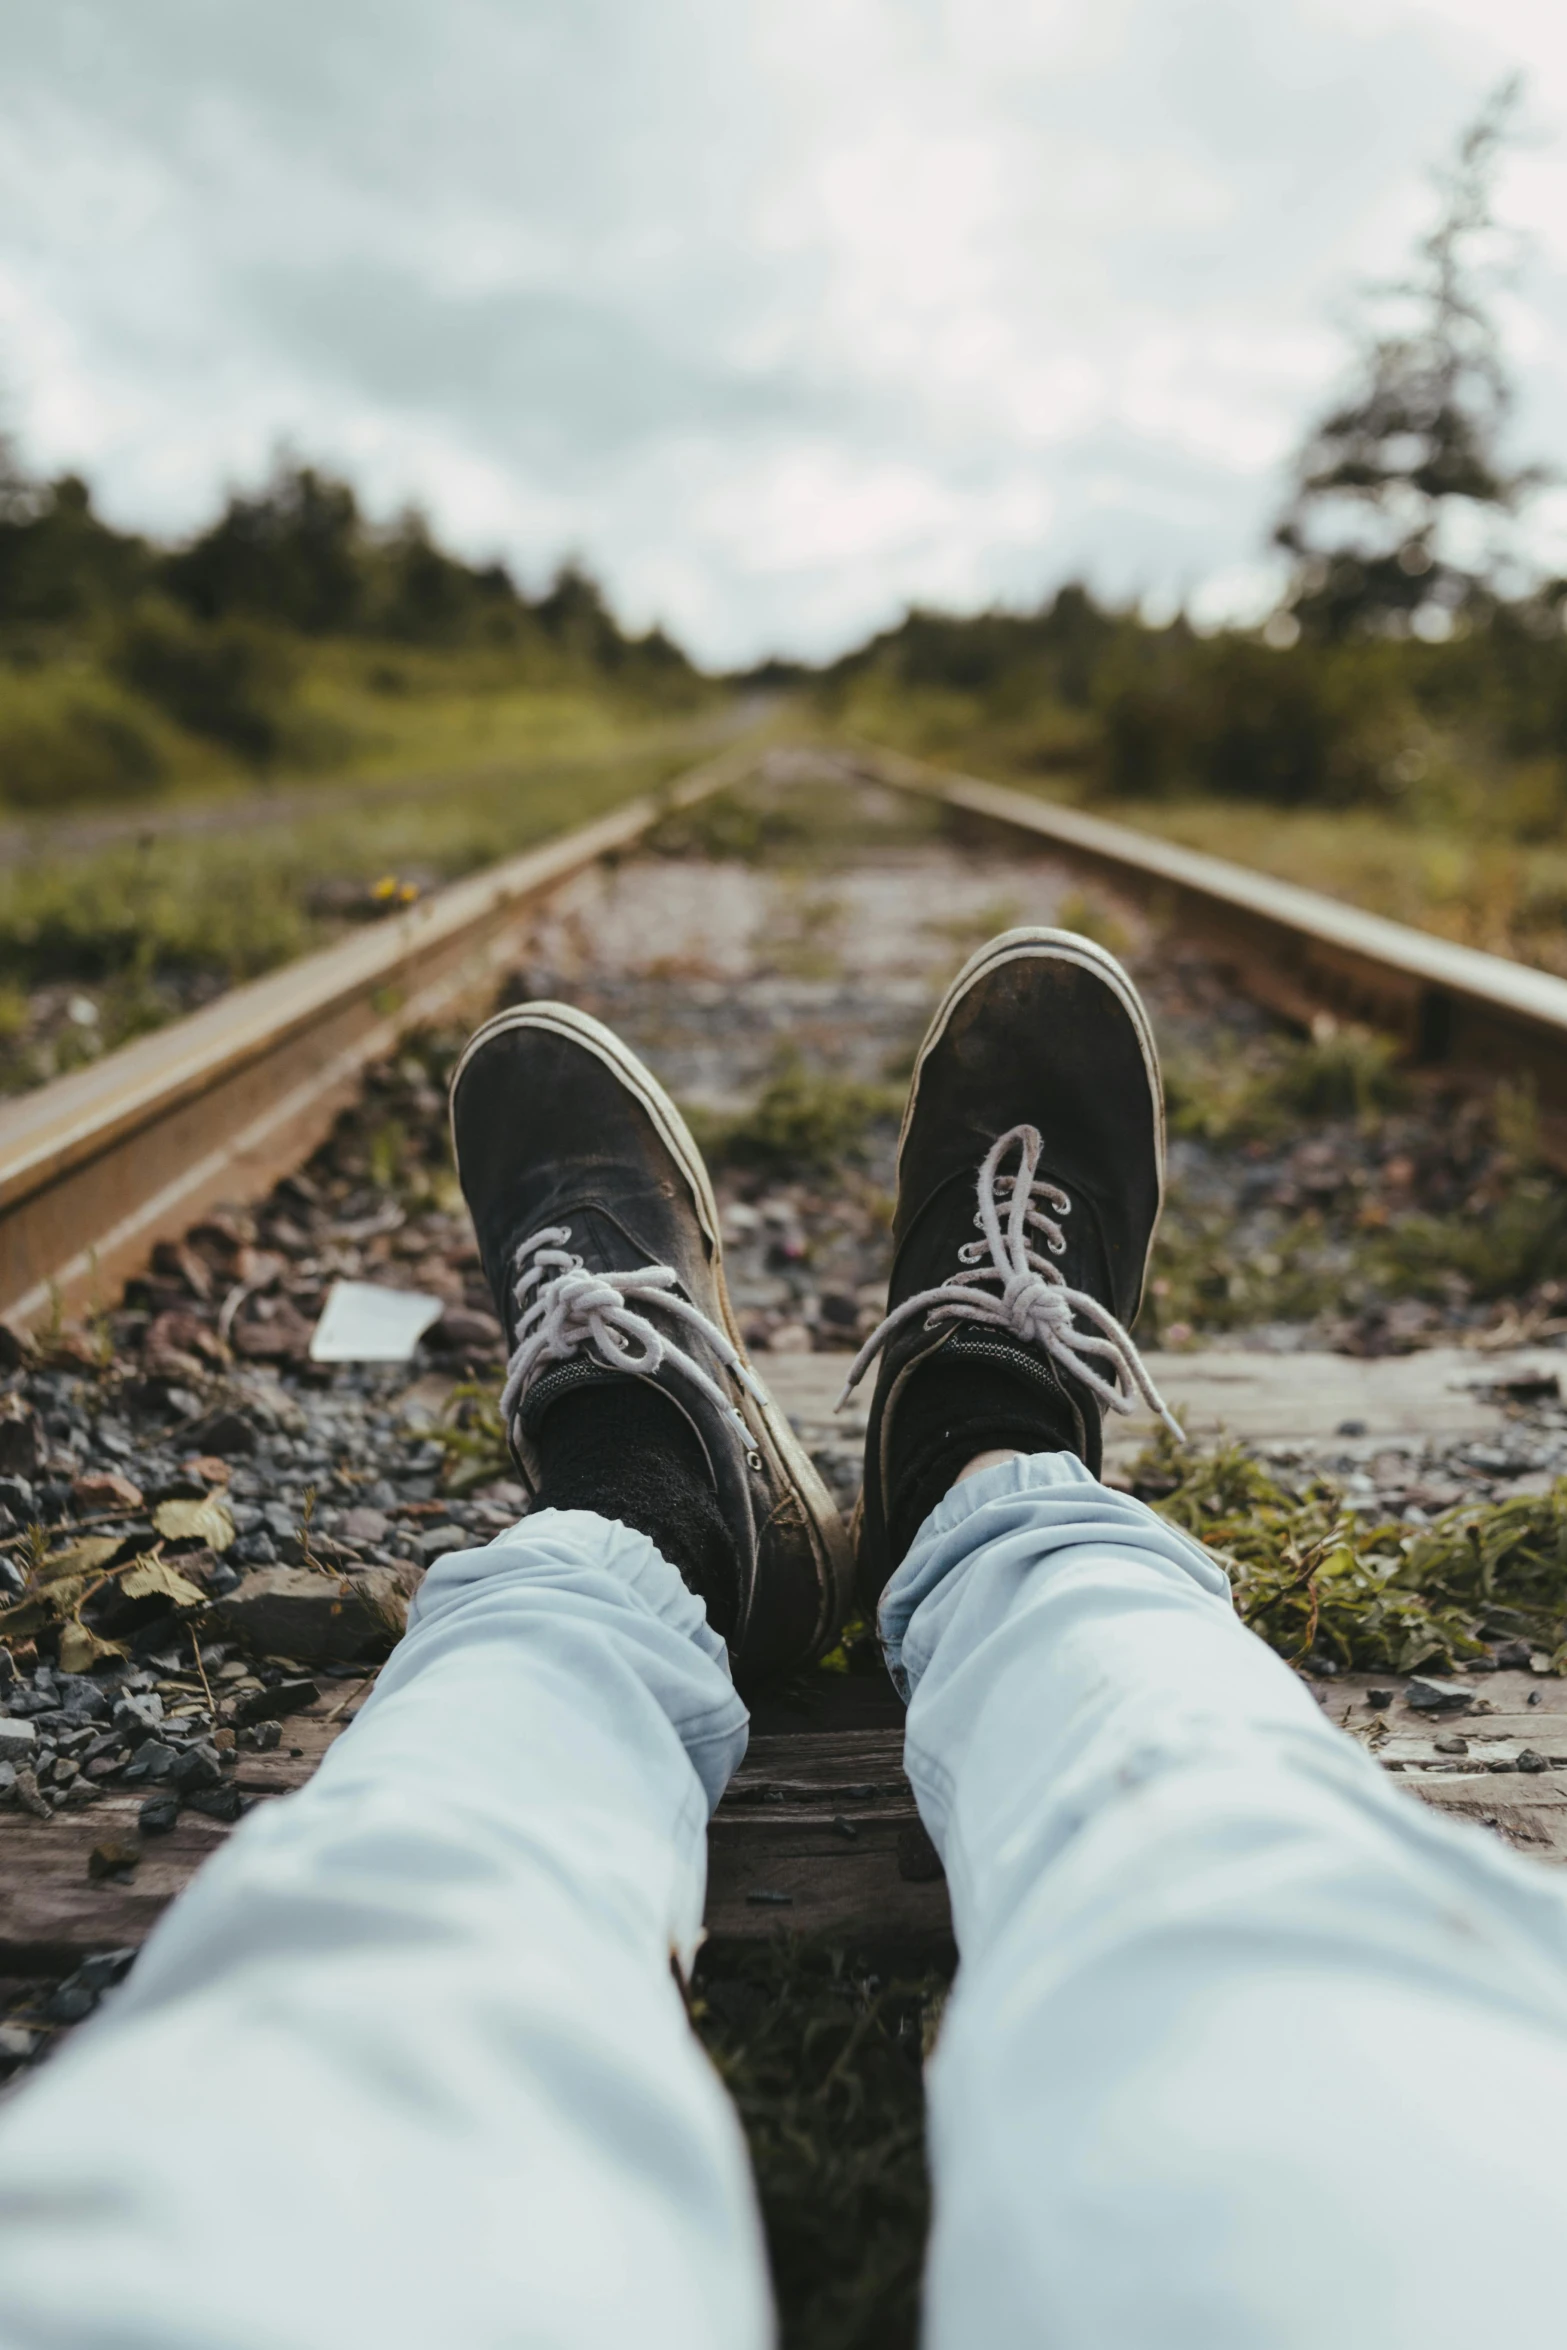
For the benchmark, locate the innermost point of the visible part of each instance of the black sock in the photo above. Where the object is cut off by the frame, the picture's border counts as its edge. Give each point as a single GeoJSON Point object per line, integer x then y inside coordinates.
{"type": "Point", "coordinates": [625, 1450]}
{"type": "Point", "coordinates": [953, 1408]}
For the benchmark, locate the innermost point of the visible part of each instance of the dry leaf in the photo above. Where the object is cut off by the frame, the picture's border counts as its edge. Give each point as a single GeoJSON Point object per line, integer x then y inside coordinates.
{"type": "Point", "coordinates": [81, 1649]}
{"type": "Point", "coordinates": [83, 1558]}
{"type": "Point", "coordinates": [22, 1621]}
{"type": "Point", "coordinates": [66, 1596]}
{"type": "Point", "coordinates": [154, 1578]}
{"type": "Point", "coordinates": [114, 1855]}
{"type": "Point", "coordinates": [195, 1521]}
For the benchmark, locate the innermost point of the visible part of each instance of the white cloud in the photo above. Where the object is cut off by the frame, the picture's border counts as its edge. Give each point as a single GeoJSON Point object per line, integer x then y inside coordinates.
{"type": "Point", "coordinates": [784, 315]}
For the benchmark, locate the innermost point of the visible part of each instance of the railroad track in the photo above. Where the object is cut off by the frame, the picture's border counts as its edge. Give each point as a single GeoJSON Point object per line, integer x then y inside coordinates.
{"type": "Point", "coordinates": [97, 1167]}
{"type": "Point", "coordinates": [113, 1167]}
{"type": "Point", "coordinates": [1296, 951]}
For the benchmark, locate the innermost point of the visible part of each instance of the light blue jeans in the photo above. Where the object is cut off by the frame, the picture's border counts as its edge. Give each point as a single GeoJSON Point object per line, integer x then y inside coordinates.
{"type": "Point", "coordinates": [1246, 2049]}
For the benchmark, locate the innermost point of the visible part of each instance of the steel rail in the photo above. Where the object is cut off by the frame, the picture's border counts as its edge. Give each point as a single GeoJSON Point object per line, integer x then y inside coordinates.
{"type": "Point", "coordinates": [99, 1166]}
{"type": "Point", "coordinates": [1296, 951]}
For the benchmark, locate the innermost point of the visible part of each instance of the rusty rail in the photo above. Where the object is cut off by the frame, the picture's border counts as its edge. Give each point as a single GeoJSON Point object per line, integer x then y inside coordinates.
{"type": "Point", "coordinates": [100, 1165]}
{"type": "Point", "coordinates": [1293, 949]}
{"type": "Point", "coordinates": [97, 1167]}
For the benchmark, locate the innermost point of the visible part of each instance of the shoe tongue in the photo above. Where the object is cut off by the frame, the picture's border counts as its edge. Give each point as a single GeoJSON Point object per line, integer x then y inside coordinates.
{"type": "Point", "coordinates": [587, 1368]}
{"type": "Point", "coordinates": [1060, 1395]}
{"type": "Point", "coordinates": [565, 1379]}
{"type": "Point", "coordinates": [602, 1241]}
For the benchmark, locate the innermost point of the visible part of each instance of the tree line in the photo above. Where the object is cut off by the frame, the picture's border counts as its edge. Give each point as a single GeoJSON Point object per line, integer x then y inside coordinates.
{"type": "Point", "coordinates": [1414, 656]}
{"type": "Point", "coordinates": [215, 634]}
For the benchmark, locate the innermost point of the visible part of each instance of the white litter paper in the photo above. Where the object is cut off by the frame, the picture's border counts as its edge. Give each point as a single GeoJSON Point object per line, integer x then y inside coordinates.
{"type": "Point", "coordinates": [361, 1323]}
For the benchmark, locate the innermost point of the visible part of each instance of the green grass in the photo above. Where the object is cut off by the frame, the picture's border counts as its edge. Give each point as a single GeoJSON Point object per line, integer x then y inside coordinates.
{"type": "Point", "coordinates": [1475, 853]}
{"type": "Point", "coordinates": [803, 826]}
{"type": "Point", "coordinates": [75, 735]}
{"type": "Point", "coordinates": [824, 2062]}
{"type": "Point", "coordinates": [1463, 880]}
{"type": "Point", "coordinates": [804, 1121]}
{"type": "Point", "coordinates": [141, 926]}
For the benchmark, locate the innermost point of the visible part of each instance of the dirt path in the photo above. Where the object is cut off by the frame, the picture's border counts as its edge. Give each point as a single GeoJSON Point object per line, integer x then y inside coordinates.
{"type": "Point", "coordinates": [250, 811]}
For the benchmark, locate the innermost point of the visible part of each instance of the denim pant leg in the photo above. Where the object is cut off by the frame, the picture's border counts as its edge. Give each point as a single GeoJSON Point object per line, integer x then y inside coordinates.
{"type": "Point", "coordinates": [408, 2065]}
{"type": "Point", "coordinates": [1247, 2046]}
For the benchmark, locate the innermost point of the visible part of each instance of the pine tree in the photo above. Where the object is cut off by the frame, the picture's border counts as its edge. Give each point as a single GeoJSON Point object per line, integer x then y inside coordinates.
{"type": "Point", "coordinates": [1391, 482]}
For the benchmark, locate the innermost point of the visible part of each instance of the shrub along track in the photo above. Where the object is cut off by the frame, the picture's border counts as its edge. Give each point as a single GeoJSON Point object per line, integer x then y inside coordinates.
{"type": "Point", "coordinates": [208, 1540]}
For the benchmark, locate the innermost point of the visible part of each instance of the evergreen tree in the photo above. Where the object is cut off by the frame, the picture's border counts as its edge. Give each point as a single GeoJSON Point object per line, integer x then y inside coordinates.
{"type": "Point", "coordinates": [1392, 482]}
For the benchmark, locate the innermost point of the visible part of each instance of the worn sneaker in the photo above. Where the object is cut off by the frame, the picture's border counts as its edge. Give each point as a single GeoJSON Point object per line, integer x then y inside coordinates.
{"type": "Point", "coordinates": [599, 1234]}
{"type": "Point", "coordinates": [1036, 1119]}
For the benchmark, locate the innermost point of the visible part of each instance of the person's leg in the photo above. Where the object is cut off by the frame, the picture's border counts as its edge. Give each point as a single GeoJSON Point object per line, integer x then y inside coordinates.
{"type": "Point", "coordinates": [1247, 2051]}
{"type": "Point", "coordinates": [1247, 2047]}
{"type": "Point", "coordinates": [408, 2064]}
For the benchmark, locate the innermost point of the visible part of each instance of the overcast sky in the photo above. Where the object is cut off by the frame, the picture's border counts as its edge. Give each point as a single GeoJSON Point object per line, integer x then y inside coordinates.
{"type": "Point", "coordinates": [785, 313]}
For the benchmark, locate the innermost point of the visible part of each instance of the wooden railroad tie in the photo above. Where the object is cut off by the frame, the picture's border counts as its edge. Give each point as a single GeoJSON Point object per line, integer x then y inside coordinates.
{"type": "Point", "coordinates": [818, 1835]}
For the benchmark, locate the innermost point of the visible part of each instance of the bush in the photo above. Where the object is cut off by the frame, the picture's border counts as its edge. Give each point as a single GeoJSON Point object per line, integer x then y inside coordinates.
{"type": "Point", "coordinates": [228, 680]}
{"type": "Point", "coordinates": [1343, 1072]}
{"type": "Point", "coordinates": [59, 564]}
{"type": "Point", "coordinates": [65, 743]}
{"type": "Point", "coordinates": [1261, 1090]}
{"type": "Point", "coordinates": [1316, 726]}
{"type": "Point", "coordinates": [291, 552]}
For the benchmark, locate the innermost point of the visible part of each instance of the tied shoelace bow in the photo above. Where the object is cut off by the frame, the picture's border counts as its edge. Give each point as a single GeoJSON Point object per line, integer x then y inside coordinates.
{"type": "Point", "coordinates": [564, 1310]}
{"type": "Point", "coordinates": [1021, 1292]}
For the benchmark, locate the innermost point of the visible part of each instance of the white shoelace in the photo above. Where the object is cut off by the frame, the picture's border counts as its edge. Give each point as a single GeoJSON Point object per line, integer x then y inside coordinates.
{"type": "Point", "coordinates": [1032, 1300]}
{"type": "Point", "coordinates": [564, 1310]}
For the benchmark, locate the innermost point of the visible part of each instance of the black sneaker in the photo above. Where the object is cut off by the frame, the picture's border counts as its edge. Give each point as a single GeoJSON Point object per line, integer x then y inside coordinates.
{"type": "Point", "coordinates": [1037, 1101]}
{"type": "Point", "coordinates": [599, 1233]}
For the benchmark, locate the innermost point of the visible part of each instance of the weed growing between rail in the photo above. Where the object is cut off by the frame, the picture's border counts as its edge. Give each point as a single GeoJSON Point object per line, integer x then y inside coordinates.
{"type": "Point", "coordinates": [1314, 1182]}
{"type": "Point", "coordinates": [795, 819]}
{"type": "Point", "coordinates": [823, 2060]}
{"type": "Point", "coordinates": [803, 1122]}
{"type": "Point", "coordinates": [1324, 1587]}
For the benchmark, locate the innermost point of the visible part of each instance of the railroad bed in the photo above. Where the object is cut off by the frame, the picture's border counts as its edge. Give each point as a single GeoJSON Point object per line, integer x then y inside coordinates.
{"type": "Point", "coordinates": [774, 954]}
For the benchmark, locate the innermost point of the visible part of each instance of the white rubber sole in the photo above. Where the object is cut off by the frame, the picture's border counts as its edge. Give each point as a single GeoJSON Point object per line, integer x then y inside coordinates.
{"type": "Point", "coordinates": [582, 1029]}
{"type": "Point", "coordinates": [1033, 943]}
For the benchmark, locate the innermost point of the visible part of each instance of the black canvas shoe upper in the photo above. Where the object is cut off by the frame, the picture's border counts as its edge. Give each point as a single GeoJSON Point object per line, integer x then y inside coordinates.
{"type": "Point", "coordinates": [1030, 1177]}
{"type": "Point", "coordinates": [599, 1235]}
